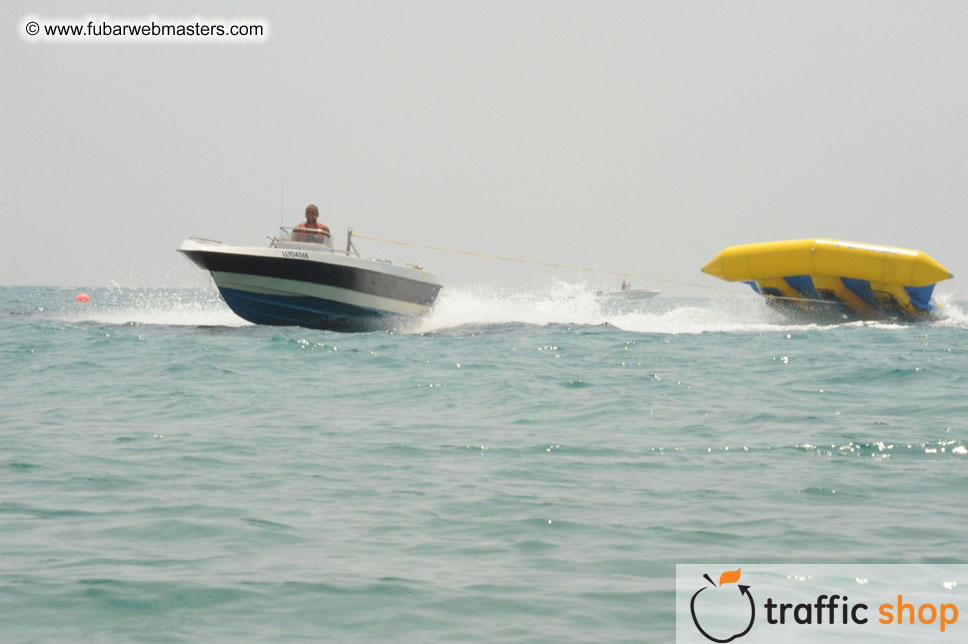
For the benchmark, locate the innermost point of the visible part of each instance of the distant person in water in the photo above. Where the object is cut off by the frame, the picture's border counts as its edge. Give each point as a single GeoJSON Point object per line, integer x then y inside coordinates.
{"type": "Point", "coordinates": [625, 285]}
{"type": "Point", "coordinates": [320, 231]}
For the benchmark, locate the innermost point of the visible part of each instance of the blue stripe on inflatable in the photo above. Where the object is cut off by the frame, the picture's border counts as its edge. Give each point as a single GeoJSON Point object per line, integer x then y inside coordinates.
{"type": "Point", "coordinates": [862, 289]}
{"type": "Point", "coordinates": [752, 285]}
{"type": "Point", "coordinates": [921, 296]}
{"type": "Point", "coordinates": [803, 284]}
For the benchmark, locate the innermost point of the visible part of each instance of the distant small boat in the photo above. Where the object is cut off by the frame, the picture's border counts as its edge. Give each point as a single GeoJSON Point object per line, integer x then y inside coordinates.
{"type": "Point", "coordinates": [821, 276]}
{"type": "Point", "coordinates": [628, 295]}
{"type": "Point", "coordinates": [625, 301]}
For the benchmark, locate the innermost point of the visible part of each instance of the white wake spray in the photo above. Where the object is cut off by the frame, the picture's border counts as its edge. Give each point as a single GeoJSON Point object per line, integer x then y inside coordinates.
{"type": "Point", "coordinates": [571, 303]}
{"type": "Point", "coordinates": [166, 307]}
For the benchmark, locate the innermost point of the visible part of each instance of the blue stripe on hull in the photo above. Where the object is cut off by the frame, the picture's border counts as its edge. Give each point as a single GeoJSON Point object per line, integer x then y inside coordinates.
{"type": "Point", "coordinates": [311, 312]}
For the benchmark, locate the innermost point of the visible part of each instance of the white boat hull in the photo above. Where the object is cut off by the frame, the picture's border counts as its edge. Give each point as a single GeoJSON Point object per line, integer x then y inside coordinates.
{"type": "Point", "coordinates": [314, 288]}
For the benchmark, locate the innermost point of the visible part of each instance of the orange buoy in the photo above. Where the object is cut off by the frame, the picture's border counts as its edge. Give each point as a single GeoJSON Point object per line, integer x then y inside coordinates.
{"type": "Point", "coordinates": [82, 297]}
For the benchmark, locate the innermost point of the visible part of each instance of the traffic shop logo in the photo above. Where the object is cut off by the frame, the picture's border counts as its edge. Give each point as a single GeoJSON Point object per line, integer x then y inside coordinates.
{"type": "Point", "coordinates": [722, 594]}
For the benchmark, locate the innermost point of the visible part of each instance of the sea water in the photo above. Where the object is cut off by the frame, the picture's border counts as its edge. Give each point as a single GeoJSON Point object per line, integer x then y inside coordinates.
{"type": "Point", "coordinates": [520, 467]}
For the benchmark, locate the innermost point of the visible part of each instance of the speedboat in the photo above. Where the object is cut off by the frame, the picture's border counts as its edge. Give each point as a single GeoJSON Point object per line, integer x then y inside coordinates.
{"type": "Point", "coordinates": [301, 280]}
{"type": "Point", "coordinates": [835, 278]}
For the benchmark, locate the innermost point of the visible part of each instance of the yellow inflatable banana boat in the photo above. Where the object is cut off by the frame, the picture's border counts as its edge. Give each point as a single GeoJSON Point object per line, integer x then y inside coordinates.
{"type": "Point", "coordinates": [825, 275]}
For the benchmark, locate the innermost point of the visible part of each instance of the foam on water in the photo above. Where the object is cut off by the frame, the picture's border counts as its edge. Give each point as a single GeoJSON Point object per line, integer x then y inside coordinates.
{"type": "Point", "coordinates": [562, 303]}
{"type": "Point", "coordinates": [167, 307]}
{"type": "Point", "coordinates": [955, 314]}
{"type": "Point", "coordinates": [577, 304]}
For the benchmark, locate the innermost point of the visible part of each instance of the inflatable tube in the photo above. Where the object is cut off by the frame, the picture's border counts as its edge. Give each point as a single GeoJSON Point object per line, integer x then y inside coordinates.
{"type": "Point", "coordinates": [858, 280]}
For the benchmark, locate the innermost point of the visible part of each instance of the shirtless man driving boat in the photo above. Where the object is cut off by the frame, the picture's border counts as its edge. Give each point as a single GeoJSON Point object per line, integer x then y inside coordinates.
{"type": "Point", "coordinates": [311, 230]}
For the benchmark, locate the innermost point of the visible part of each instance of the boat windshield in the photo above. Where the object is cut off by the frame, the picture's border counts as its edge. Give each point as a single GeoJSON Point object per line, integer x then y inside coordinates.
{"type": "Point", "coordinates": [305, 237]}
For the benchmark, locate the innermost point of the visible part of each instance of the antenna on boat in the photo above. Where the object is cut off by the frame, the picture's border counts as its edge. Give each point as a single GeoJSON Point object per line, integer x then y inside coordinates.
{"type": "Point", "coordinates": [282, 201]}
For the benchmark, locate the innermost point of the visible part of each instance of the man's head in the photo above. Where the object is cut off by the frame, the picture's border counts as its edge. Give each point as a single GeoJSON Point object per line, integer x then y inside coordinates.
{"type": "Point", "coordinates": [312, 213]}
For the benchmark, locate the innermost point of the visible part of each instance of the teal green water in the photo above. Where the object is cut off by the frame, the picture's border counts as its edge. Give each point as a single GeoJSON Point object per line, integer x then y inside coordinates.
{"type": "Point", "coordinates": [519, 468]}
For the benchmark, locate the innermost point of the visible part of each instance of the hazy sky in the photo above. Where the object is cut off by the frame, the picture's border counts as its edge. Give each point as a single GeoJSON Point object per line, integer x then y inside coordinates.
{"type": "Point", "coordinates": [637, 136]}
